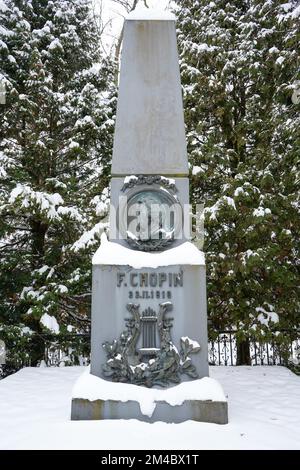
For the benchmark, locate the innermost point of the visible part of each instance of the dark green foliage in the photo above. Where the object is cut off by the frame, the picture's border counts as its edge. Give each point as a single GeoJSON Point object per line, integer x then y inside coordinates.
{"type": "Point", "coordinates": [55, 146]}
{"type": "Point", "coordinates": [239, 62]}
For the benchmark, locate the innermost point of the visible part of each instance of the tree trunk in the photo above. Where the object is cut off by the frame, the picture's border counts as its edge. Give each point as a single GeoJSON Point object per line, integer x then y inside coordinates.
{"type": "Point", "coordinates": [243, 353]}
{"type": "Point", "coordinates": [38, 230]}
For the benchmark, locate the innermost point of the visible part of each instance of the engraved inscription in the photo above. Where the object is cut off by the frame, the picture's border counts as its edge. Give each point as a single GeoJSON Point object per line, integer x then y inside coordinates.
{"type": "Point", "coordinates": [145, 285]}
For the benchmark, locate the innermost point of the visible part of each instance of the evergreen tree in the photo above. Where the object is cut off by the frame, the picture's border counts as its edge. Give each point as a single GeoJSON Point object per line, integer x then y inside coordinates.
{"type": "Point", "coordinates": [239, 63]}
{"type": "Point", "coordinates": [55, 147]}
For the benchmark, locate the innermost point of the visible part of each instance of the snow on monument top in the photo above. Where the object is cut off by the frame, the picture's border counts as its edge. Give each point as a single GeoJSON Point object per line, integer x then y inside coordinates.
{"type": "Point", "coordinates": [112, 253]}
{"type": "Point", "coordinates": [151, 14]}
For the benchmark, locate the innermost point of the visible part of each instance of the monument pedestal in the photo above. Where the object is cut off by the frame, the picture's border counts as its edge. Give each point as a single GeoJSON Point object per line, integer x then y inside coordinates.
{"type": "Point", "coordinates": [149, 324]}
{"type": "Point", "coordinates": [146, 347]}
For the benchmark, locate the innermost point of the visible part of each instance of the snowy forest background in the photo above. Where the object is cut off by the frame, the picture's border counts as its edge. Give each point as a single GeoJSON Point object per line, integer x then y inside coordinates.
{"type": "Point", "coordinates": [239, 68]}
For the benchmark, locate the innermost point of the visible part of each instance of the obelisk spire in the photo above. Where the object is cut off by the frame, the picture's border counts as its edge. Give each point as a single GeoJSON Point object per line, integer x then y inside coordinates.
{"type": "Point", "coordinates": [149, 132]}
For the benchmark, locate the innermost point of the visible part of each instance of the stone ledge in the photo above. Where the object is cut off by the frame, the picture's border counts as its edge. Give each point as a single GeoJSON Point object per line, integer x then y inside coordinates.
{"type": "Point", "coordinates": [206, 411]}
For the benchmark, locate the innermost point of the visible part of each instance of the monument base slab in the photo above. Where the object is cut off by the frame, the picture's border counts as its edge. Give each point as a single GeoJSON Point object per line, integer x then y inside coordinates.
{"type": "Point", "coordinates": [198, 410]}
{"type": "Point", "coordinates": [201, 400]}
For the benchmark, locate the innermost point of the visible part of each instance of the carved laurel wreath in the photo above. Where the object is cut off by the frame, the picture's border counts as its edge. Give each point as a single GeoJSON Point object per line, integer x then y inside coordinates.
{"type": "Point", "coordinates": [149, 245]}
{"type": "Point", "coordinates": [149, 179]}
{"type": "Point", "coordinates": [123, 363]}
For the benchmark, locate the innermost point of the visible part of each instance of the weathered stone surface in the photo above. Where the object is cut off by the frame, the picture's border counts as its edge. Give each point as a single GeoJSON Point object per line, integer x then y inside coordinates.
{"type": "Point", "coordinates": [197, 410]}
{"type": "Point", "coordinates": [109, 310]}
{"type": "Point", "coordinates": [149, 133]}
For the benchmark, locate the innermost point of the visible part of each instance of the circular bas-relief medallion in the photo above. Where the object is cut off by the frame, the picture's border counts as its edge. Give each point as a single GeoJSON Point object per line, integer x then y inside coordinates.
{"type": "Point", "coordinates": [152, 215]}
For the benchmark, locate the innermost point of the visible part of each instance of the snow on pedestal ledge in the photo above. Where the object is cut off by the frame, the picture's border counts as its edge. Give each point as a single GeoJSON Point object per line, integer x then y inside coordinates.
{"type": "Point", "coordinates": [92, 388]}
{"type": "Point", "coordinates": [112, 253]}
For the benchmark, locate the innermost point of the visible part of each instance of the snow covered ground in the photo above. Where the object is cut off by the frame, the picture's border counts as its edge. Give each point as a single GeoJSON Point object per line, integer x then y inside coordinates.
{"type": "Point", "coordinates": [264, 413]}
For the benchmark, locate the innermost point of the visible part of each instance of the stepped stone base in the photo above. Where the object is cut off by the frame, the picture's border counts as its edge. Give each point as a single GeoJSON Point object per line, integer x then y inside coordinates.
{"type": "Point", "coordinates": [198, 410]}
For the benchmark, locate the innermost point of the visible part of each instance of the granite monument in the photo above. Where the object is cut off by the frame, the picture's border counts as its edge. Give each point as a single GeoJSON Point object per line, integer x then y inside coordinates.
{"type": "Point", "coordinates": [149, 321]}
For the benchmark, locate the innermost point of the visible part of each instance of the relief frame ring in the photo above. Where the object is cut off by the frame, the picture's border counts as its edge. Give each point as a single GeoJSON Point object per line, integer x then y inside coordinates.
{"type": "Point", "coordinates": [156, 193]}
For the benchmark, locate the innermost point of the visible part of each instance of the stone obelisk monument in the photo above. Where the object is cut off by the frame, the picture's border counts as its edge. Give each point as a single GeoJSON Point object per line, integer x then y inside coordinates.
{"type": "Point", "coordinates": [149, 322]}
